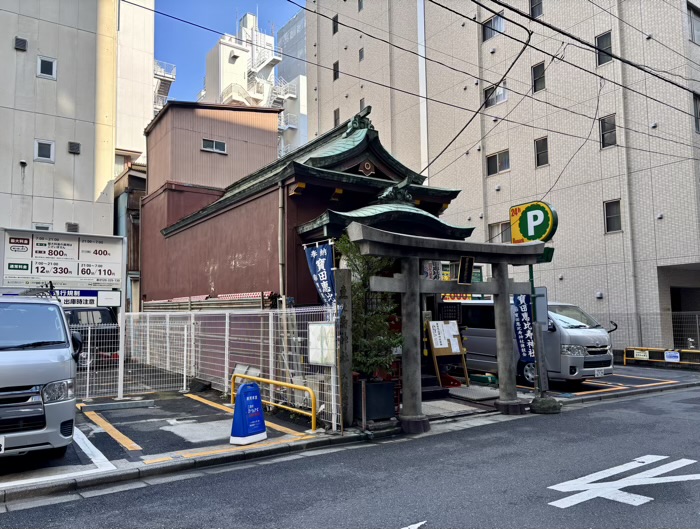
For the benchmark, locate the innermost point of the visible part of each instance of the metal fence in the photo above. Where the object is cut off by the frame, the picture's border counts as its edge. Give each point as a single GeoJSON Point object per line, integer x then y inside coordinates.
{"type": "Point", "coordinates": [673, 330]}
{"type": "Point", "coordinates": [163, 351]}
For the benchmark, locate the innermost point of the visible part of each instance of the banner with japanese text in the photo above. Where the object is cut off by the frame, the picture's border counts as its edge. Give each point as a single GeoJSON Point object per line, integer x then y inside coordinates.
{"type": "Point", "coordinates": [320, 259]}
{"type": "Point", "coordinates": [524, 332]}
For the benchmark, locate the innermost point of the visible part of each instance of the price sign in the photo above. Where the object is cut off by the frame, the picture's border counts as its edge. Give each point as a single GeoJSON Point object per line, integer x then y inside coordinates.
{"type": "Point", "coordinates": [55, 268]}
{"type": "Point", "coordinates": [100, 250]}
{"type": "Point", "coordinates": [55, 247]}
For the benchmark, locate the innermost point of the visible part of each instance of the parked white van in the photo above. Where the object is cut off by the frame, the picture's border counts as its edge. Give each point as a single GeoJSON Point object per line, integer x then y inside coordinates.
{"type": "Point", "coordinates": [37, 373]}
{"type": "Point", "coordinates": [576, 346]}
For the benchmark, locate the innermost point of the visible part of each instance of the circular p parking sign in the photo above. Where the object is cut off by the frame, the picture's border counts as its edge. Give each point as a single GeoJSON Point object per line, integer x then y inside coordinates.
{"type": "Point", "coordinates": [533, 221]}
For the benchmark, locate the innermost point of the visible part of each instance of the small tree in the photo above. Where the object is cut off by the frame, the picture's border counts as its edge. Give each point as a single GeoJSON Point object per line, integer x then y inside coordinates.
{"type": "Point", "coordinates": [373, 341]}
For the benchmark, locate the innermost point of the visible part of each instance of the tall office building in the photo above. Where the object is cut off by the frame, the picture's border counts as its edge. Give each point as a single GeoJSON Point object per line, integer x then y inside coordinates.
{"type": "Point", "coordinates": [615, 150]}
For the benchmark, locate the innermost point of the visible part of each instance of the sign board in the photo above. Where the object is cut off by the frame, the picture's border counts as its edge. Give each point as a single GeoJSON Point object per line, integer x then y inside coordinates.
{"type": "Point", "coordinates": [672, 356]}
{"type": "Point", "coordinates": [444, 338]}
{"type": "Point", "coordinates": [320, 260]}
{"type": "Point", "coordinates": [641, 355]}
{"type": "Point", "coordinates": [31, 259]}
{"type": "Point", "coordinates": [322, 344]}
{"type": "Point", "coordinates": [248, 418]}
{"type": "Point", "coordinates": [109, 298]}
{"type": "Point", "coordinates": [466, 270]}
{"type": "Point", "coordinates": [532, 221]}
{"type": "Point", "coordinates": [524, 333]}
{"type": "Point", "coordinates": [542, 306]}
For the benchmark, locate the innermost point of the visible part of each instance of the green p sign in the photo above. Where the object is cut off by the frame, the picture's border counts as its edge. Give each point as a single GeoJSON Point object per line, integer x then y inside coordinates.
{"type": "Point", "coordinates": [533, 221]}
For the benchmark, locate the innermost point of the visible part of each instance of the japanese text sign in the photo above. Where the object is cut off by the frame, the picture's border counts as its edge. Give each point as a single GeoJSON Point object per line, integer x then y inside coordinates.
{"type": "Point", "coordinates": [320, 259]}
{"type": "Point", "coordinates": [523, 327]}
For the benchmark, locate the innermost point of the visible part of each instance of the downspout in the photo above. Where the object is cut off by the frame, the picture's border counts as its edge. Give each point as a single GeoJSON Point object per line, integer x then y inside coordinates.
{"type": "Point", "coordinates": [281, 243]}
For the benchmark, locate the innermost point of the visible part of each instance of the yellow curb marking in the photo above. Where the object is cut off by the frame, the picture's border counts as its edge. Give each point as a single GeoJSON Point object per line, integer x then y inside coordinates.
{"type": "Point", "coordinates": [158, 460]}
{"type": "Point", "coordinates": [218, 406]}
{"type": "Point", "coordinates": [112, 431]}
{"type": "Point", "coordinates": [584, 393]}
{"type": "Point", "coordinates": [247, 447]}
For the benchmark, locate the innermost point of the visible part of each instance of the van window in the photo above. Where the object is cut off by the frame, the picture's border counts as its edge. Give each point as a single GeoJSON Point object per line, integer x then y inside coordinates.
{"type": "Point", "coordinates": [572, 317]}
{"type": "Point", "coordinates": [478, 316]}
{"type": "Point", "coordinates": [22, 323]}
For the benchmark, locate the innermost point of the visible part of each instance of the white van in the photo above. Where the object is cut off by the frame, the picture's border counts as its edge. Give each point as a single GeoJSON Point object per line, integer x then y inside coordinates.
{"type": "Point", "coordinates": [576, 347]}
{"type": "Point", "coordinates": [37, 372]}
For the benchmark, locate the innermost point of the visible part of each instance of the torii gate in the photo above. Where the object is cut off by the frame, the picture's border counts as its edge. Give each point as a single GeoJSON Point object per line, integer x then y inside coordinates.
{"type": "Point", "coordinates": [411, 249]}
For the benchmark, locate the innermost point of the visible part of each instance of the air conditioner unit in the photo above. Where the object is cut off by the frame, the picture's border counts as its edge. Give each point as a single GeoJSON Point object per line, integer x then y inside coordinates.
{"type": "Point", "coordinates": [21, 44]}
{"type": "Point", "coordinates": [73, 147]}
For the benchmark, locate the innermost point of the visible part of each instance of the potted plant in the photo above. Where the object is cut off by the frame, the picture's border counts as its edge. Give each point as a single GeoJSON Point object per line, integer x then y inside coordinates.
{"type": "Point", "coordinates": [373, 339]}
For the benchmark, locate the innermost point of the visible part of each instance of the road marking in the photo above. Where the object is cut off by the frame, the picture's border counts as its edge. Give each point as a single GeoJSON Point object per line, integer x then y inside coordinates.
{"type": "Point", "coordinates": [612, 490]}
{"type": "Point", "coordinates": [415, 525]}
{"type": "Point", "coordinates": [157, 460]}
{"type": "Point", "coordinates": [190, 455]}
{"type": "Point", "coordinates": [112, 431]}
{"type": "Point", "coordinates": [218, 406]}
{"type": "Point", "coordinates": [98, 459]}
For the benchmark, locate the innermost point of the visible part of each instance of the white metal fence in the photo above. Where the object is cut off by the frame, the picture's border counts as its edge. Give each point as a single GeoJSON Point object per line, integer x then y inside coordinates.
{"type": "Point", "coordinates": [163, 351]}
{"type": "Point", "coordinates": [673, 330]}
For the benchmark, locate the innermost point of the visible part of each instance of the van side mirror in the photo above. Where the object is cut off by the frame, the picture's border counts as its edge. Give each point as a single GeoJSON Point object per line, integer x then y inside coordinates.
{"type": "Point", "coordinates": [550, 325]}
{"type": "Point", "coordinates": [77, 341]}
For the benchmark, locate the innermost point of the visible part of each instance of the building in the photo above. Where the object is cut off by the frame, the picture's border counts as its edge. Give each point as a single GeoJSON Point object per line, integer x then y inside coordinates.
{"type": "Point", "coordinates": [203, 240]}
{"type": "Point", "coordinates": [58, 114]}
{"type": "Point", "coordinates": [620, 165]}
{"type": "Point", "coordinates": [241, 70]}
{"type": "Point", "coordinates": [77, 92]}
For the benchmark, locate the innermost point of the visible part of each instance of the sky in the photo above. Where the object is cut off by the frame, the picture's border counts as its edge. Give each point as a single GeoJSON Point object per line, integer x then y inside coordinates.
{"type": "Point", "coordinates": [186, 46]}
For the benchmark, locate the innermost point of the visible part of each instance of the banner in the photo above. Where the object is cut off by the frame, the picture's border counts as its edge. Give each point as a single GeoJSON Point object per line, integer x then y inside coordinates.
{"type": "Point", "coordinates": [524, 333]}
{"type": "Point", "coordinates": [320, 260]}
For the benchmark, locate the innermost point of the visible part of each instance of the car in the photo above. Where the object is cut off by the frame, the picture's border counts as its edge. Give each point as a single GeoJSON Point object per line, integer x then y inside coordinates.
{"type": "Point", "coordinates": [38, 357]}
{"type": "Point", "coordinates": [99, 329]}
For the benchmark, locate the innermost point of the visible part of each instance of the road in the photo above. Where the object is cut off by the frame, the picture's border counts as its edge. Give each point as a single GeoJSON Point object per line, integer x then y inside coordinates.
{"type": "Point", "coordinates": [483, 475]}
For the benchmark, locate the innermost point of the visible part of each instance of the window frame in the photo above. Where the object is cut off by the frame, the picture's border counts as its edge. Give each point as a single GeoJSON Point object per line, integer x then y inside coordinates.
{"type": "Point", "coordinates": [336, 117]}
{"type": "Point", "coordinates": [535, 79]}
{"type": "Point", "coordinates": [604, 133]}
{"type": "Point", "coordinates": [504, 94]}
{"type": "Point", "coordinates": [693, 15]}
{"type": "Point", "coordinates": [546, 152]}
{"type": "Point", "coordinates": [505, 234]}
{"type": "Point", "coordinates": [360, 5]}
{"type": "Point", "coordinates": [499, 164]}
{"type": "Point", "coordinates": [52, 144]}
{"type": "Point", "coordinates": [696, 111]}
{"type": "Point", "coordinates": [214, 145]}
{"type": "Point", "coordinates": [336, 70]}
{"type": "Point", "coordinates": [335, 24]}
{"type": "Point", "coordinates": [606, 216]}
{"type": "Point", "coordinates": [361, 54]}
{"type": "Point", "coordinates": [534, 4]}
{"type": "Point", "coordinates": [600, 54]}
{"type": "Point", "coordinates": [54, 63]}
{"type": "Point", "coordinates": [488, 26]}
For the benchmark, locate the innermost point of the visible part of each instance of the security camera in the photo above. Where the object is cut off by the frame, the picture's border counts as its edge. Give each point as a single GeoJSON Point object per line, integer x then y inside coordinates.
{"type": "Point", "coordinates": [23, 163]}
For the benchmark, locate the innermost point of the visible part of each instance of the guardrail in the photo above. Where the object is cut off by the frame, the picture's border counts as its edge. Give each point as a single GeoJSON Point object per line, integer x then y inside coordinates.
{"type": "Point", "coordinates": [661, 355]}
{"type": "Point", "coordinates": [310, 391]}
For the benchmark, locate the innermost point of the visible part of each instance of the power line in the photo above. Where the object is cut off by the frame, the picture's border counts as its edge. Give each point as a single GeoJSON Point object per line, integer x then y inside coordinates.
{"type": "Point", "coordinates": [612, 81]}
{"type": "Point", "coordinates": [400, 90]}
{"type": "Point", "coordinates": [640, 67]}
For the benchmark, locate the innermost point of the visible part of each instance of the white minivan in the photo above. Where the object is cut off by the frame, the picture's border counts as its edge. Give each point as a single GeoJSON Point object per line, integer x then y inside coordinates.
{"type": "Point", "coordinates": [37, 373]}
{"type": "Point", "coordinates": [576, 346]}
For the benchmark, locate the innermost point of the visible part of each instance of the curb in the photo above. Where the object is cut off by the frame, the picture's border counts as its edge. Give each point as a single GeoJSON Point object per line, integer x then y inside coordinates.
{"type": "Point", "coordinates": [629, 393]}
{"type": "Point", "coordinates": [25, 492]}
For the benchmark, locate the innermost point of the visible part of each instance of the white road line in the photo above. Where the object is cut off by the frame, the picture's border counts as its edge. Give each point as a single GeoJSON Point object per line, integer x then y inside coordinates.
{"type": "Point", "coordinates": [98, 459]}
{"type": "Point", "coordinates": [415, 525]}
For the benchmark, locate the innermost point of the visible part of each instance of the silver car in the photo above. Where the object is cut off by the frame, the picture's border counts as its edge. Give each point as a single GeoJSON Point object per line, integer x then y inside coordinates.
{"type": "Point", "coordinates": [37, 376]}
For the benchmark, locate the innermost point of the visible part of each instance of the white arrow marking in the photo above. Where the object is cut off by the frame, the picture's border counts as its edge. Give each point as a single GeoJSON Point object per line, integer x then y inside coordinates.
{"type": "Point", "coordinates": [612, 490]}
{"type": "Point", "coordinates": [415, 525]}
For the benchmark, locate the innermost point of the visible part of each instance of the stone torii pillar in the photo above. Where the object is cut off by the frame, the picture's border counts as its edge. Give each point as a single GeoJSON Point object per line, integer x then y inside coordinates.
{"type": "Point", "coordinates": [410, 250]}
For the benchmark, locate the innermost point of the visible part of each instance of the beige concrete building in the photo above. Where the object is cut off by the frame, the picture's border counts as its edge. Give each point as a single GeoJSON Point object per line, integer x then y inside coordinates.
{"type": "Point", "coordinates": [628, 244]}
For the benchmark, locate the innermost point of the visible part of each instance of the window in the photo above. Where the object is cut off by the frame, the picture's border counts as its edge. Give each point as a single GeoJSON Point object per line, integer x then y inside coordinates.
{"type": "Point", "coordinates": [360, 5]}
{"type": "Point", "coordinates": [495, 94]}
{"type": "Point", "coordinates": [46, 68]}
{"type": "Point", "coordinates": [336, 70]}
{"type": "Point", "coordinates": [336, 117]}
{"type": "Point", "coordinates": [607, 131]}
{"type": "Point", "coordinates": [604, 44]}
{"type": "Point", "coordinates": [362, 54]}
{"type": "Point", "coordinates": [536, 8]}
{"type": "Point", "coordinates": [362, 104]}
{"type": "Point", "coordinates": [214, 146]}
{"type": "Point", "coordinates": [499, 232]}
{"type": "Point", "coordinates": [613, 218]}
{"type": "Point", "coordinates": [44, 151]}
{"type": "Point", "coordinates": [696, 107]}
{"type": "Point", "coordinates": [541, 152]}
{"type": "Point", "coordinates": [497, 163]}
{"type": "Point", "coordinates": [538, 77]}
{"type": "Point", "coordinates": [694, 21]}
{"type": "Point", "coordinates": [335, 24]}
{"type": "Point", "coordinates": [479, 316]}
{"type": "Point", "coordinates": [492, 27]}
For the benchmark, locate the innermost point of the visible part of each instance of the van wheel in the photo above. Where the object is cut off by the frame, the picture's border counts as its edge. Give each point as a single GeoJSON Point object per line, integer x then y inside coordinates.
{"type": "Point", "coordinates": [527, 373]}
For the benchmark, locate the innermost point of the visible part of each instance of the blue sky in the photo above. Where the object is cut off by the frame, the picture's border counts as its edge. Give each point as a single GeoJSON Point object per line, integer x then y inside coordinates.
{"type": "Point", "coordinates": [187, 46]}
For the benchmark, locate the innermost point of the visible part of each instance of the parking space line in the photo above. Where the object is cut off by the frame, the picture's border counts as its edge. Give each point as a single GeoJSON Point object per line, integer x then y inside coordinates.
{"type": "Point", "coordinates": [110, 430]}
{"type": "Point", "coordinates": [218, 406]}
{"type": "Point", "coordinates": [189, 455]}
{"type": "Point", "coordinates": [643, 378]}
{"type": "Point", "coordinates": [666, 383]}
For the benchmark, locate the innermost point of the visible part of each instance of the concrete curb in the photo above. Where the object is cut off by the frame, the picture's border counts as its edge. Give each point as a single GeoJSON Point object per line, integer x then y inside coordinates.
{"type": "Point", "coordinates": [24, 492]}
{"type": "Point", "coordinates": [629, 393]}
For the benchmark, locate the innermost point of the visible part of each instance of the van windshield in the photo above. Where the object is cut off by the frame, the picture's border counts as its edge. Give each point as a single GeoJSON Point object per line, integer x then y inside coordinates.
{"type": "Point", "coordinates": [30, 324]}
{"type": "Point", "coordinates": [572, 317]}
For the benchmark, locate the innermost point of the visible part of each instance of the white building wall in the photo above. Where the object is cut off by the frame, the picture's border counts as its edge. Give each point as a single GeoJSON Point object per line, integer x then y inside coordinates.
{"type": "Point", "coordinates": [623, 266]}
{"type": "Point", "coordinates": [78, 106]}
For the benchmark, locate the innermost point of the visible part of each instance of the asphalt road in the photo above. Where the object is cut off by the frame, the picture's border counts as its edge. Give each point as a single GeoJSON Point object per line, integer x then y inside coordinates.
{"type": "Point", "coordinates": [495, 475]}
